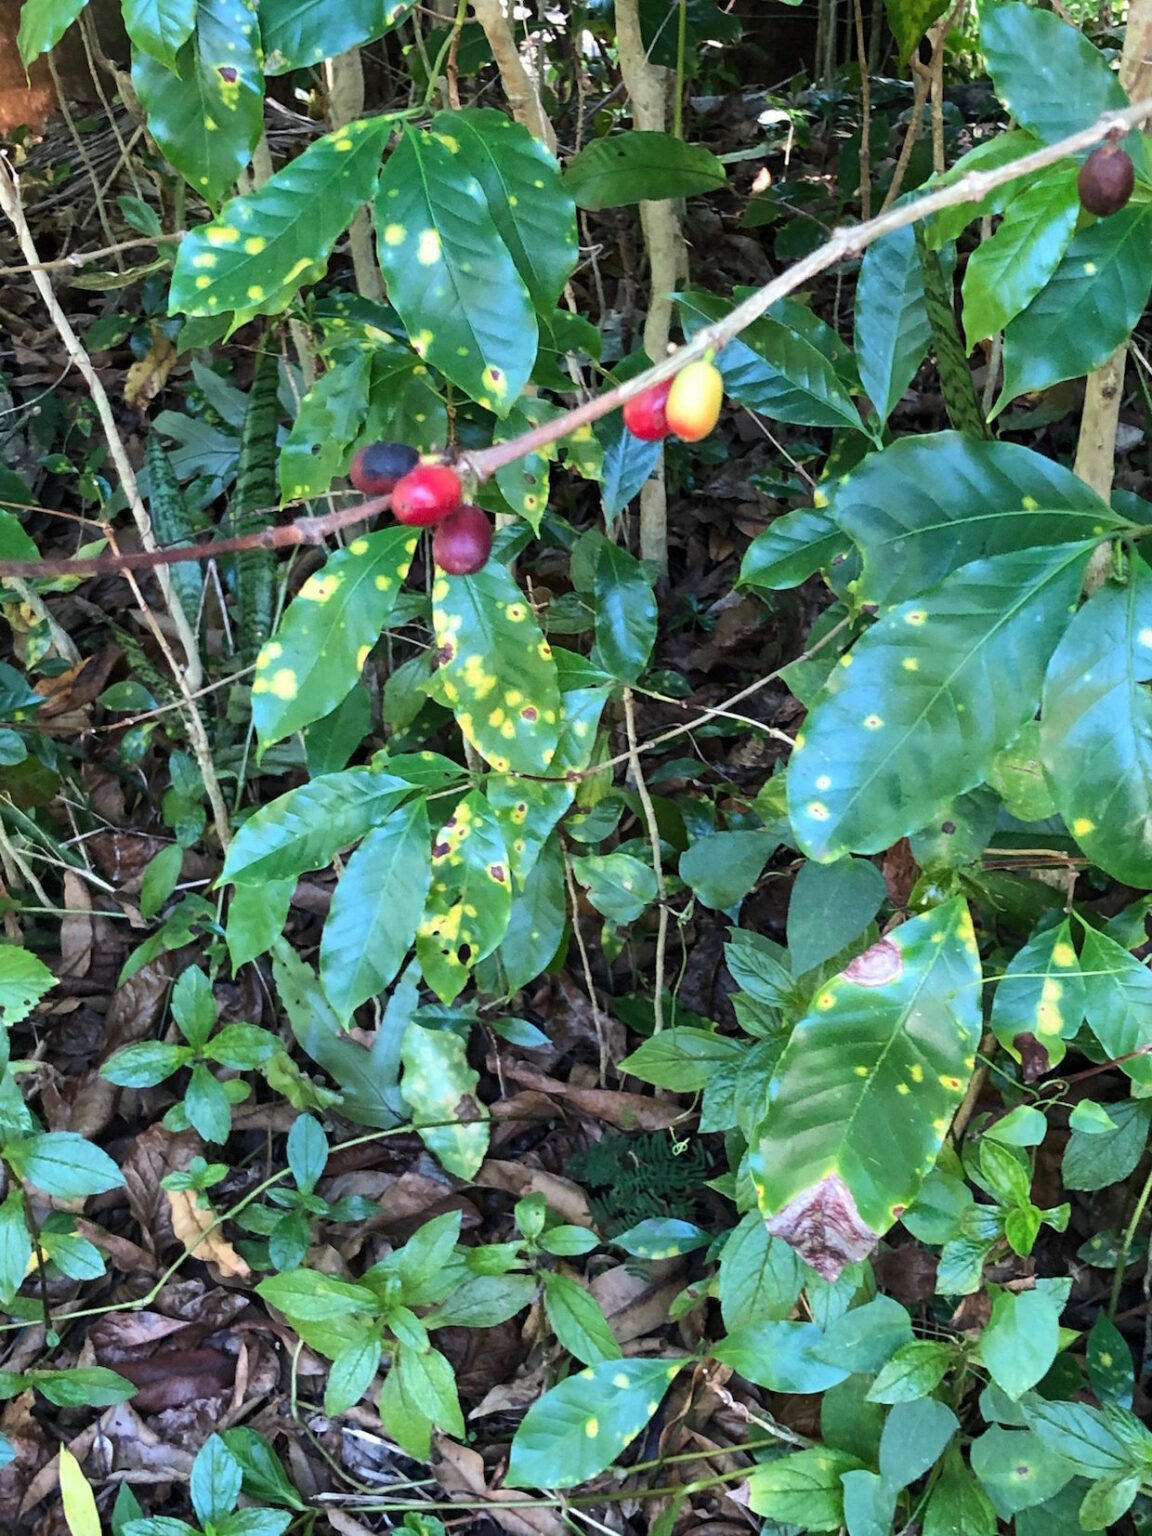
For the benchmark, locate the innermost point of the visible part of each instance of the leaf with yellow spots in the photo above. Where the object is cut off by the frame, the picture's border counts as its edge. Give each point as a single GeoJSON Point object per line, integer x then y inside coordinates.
{"type": "Point", "coordinates": [537, 920]}
{"type": "Point", "coordinates": [529, 204]}
{"type": "Point", "coordinates": [524, 483]}
{"type": "Point", "coordinates": [928, 505]}
{"type": "Point", "coordinates": [496, 672]}
{"type": "Point", "coordinates": [866, 1088]}
{"type": "Point", "coordinates": [470, 898]}
{"type": "Point", "coordinates": [581, 1426]}
{"type": "Point", "coordinates": [1041, 994]}
{"type": "Point", "coordinates": [1118, 1002]}
{"type": "Point", "coordinates": [319, 649]}
{"type": "Point", "coordinates": [527, 810]}
{"type": "Point", "coordinates": [207, 113]}
{"type": "Point", "coordinates": [440, 1087]}
{"type": "Point", "coordinates": [450, 274]}
{"type": "Point", "coordinates": [300, 34]}
{"type": "Point", "coordinates": [375, 909]}
{"type": "Point", "coordinates": [887, 748]}
{"type": "Point", "coordinates": [1096, 727]}
{"type": "Point", "coordinates": [261, 248]}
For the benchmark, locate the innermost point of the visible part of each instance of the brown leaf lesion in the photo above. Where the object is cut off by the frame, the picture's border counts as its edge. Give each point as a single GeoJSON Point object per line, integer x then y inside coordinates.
{"type": "Point", "coordinates": [824, 1226]}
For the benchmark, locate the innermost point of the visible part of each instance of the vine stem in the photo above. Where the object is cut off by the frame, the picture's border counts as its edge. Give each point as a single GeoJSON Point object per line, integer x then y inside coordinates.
{"type": "Point", "coordinates": [847, 241]}
{"type": "Point", "coordinates": [1126, 1244]}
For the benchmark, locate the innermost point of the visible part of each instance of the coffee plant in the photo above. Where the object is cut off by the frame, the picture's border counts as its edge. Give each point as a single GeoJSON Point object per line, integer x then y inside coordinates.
{"type": "Point", "coordinates": [631, 999]}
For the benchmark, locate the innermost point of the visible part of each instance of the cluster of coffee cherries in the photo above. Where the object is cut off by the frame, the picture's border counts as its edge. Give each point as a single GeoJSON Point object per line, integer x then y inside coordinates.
{"type": "Point", "coordinates": [686, 406]}
{"type": "Point", "coordinates": [426, 495]}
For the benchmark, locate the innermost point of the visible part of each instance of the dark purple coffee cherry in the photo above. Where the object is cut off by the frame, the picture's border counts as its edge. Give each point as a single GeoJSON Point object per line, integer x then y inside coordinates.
{"type": "Point", "coordinates": [376, 467]}
{"type": "Point", "coordinates": [463, 541]}
{"type": "Point", "coordinates": [1106, 180]}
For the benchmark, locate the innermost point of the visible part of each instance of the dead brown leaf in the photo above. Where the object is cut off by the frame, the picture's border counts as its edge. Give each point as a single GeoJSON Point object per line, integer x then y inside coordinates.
{"type": "Point", "coordinates": [566, 1198]}
{"type": "Point", "coordinates": [146, 378]}
{"type": "Point", "coordinates": [155, 1153]}
{"type": "Point", "coordinates": [626, 1111]}
{"type": "Point", "coordinates": [196, 1226]}
{"type": "Point", "coordinates": [460, 1470]}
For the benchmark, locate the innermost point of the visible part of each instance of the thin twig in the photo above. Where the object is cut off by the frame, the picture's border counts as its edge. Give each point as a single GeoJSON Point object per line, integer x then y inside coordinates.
{"type": "Point", "coordinates": [586, 967]}
{"type": "Point", "coordinates": [653, 827]}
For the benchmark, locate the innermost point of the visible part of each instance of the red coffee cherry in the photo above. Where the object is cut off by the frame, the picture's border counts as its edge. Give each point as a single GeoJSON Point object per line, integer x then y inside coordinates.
{"type": "Point", "coordinates": [646, 415]}
{"type": "Point", "coordinates": [426, 494]}
{"type": "Point", "coordinates": [1106, 180]}
{"type": "Point", "coordinates": [694, 401]}
{"type": "Point", "coordinates": [376, 467]}
{"type": "Point", "coordinates": [463, 541]}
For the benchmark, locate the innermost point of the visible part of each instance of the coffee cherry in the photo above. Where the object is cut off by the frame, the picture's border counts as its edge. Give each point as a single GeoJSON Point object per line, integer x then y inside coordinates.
{"type": "Point", "coordinates": [1106, 180]}
{"type": "Point", "coordinates": [462, 542]}
{"type": "Point", "coordinates": [694, 401]}
{"type": "Point", "coordinates": [645, 415]}
{"type": "Point", "coordinates": [426, 494]}
{"type": "Point", "coordinates": [376, 467]}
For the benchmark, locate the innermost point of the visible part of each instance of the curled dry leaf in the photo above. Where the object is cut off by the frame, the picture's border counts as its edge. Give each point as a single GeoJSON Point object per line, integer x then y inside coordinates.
{"type": "Point", "coordinates": [195, 1226]}
{"type": "Point", "coordinates": [625, 1111]}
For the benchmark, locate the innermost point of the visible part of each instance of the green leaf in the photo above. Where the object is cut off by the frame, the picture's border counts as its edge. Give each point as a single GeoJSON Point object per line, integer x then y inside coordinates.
{"type": "Point", "coordinates": [1041, 995]}
{"type": "Point", "coordinates": [760, 1276]}
{"type": "Point", "coordinates": [43, 23]}
{"type": "Point", "coordinates": [496, 671]}
{"type": "Point", "coordinates": [869, 1503]}
{"type": "Point", "coordinates": [964, 664]}
{"type": "Point", "coordinates": [530, 206]}
{"type": "Point", "coordinates": [947, 225]}
{"type": "Point", "coordinates": [145, 1065]}
{"type": "Point", "coordinates": [795, 547]}
{"type": "Point", "coordinates": [1106, 1503]}
{"type": "Point", "coordinates": [352, 1372]}
{"type": "Point", "coordinates": [722, 867]}
{"type": "Point", "coordinates": [24, 979]}
{"type": "Point", "coordinates": [376, 909]}
{"type": "Point", "coordinates": [256, 918]}
{"type": "Point", "coordinates": [773, 369]}
{"type": "Point", "coordinates": [1023, 1126]}
{"type": "Point", "coordinates": [299, 34]}
{"type": "Point", "coordinates": [1020, 1342]}
{"type": "Point", "coordinates": [1082, 1435]}
{"type": "Point", "coordinates": [864, 1338]}
{"type": "Point", "coordinates": [1089, 306]}
{"type": "Point", "coordinates": [87, 1386]}
{"type": "Point", "coordinates": [1046, 72]}
{"type": "Point", "coordinates": [470, 899]}
{"type": "Point", "coordinates": [1118, 1002]}
{"type": "Point", "coordinates": [625, 607]}
{"type": "Point", "coordinates": [15, 1245]}
{"type": "Point", "coordinates": [914, 1439]}
{"type": "Point", "coordinates": [302, 829]}
{"type": "Point", "coordinates": [63, 1164]}
{"type": "Point", "coordinates": [804, 1489]}
{"type": "Point", "coordinates": [927, 505]}
{"type": "Point", "coordinates": [485, 1301]}
{"type": "Point", "coordinates": [1017, 1470]}
{"type": "Point", "coordinates": [1093, 1161]}
{"type": "Point", "coordinates": [450, 275]}
{"type": "Point", "coordinates": [216, 1479]}
{"type": "Point", "coordinates": [628, 463]}
{"type": "Point", "coordinates": [957, 1505]}
{"type": "Point", "coordinates": [440, 1087]}
{"type": "Point", "coordinates": [264, 1476]}
{"type": "Point", "coordinates": [865, 1089]}
{"type": "Point", "coordinates": [579, 1427]}
{"type": "Point", "coordinates": [637, 167]}
{"type": "Point", "coordinates": [618, 885]}
{"type": "Point", "coordinates": [1096, 727]}
{"type": "Point", "coordinates": [910, 20]}
{"type": "Point", "coordinates": [780, 1355]}
{"type": "Point", "coordinates": [329, 419]}
{"type": "Point", "coordinates": [537, 919]}
{"type": "Point", "coordinates": [207, 113]}
{"type": "Point", "coordinates": [577, 1320]}
{"type": "Point", "coordinates": [681, 1058]}
{"type": "Point", "coordinates": [309, 1296]}
{"type": "Point", "coordinates": [831, 905]}
{"type": "Point", "coordinates": [913, 1372]}
{"type": "Point", "coordinates": [661, 1237]}
{"type": "Point", "coordinates": [1006, 272]}
{"type": "Point", "coordinates": [253, 258]}
{"type": "Point", "coordinates": [430, 1382]}
{"type": "Point", "coordinates": [892, 327]}
{"type": "Point", "coordinates": [160, 28]}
